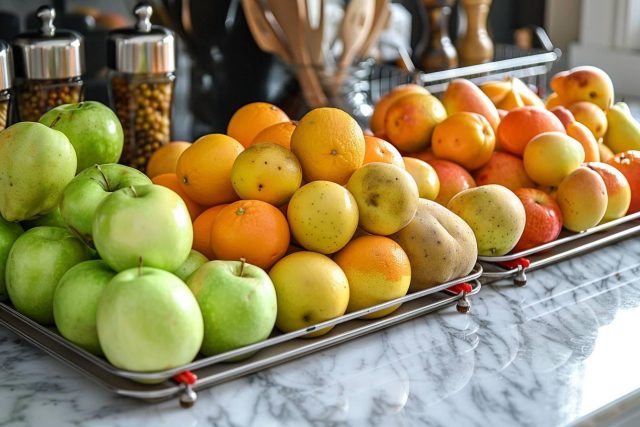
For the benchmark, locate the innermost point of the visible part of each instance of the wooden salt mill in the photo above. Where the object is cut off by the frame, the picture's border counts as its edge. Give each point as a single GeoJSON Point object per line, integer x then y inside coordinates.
{"type": "Point", "coordinates": [475, 46]}
{"type": "Point", "coordinates": [440, 53]}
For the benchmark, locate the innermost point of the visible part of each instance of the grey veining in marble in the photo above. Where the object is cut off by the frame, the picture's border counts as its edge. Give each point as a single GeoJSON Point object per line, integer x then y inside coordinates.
{"type": "Point", "coordinates": [542, 355]}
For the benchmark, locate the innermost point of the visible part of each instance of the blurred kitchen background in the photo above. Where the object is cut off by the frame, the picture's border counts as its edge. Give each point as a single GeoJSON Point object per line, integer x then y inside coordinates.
{"type": "Point", "coordinates": [220, 67]}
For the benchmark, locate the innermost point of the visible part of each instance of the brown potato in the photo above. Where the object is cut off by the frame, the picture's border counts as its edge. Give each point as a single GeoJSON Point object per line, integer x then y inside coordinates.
{"type": "Point", "coordinates": [439, 244]}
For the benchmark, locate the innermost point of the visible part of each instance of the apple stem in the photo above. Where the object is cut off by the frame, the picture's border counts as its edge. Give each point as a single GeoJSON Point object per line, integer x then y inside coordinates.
{"type": "Point", "coordinates": [104, 177]}
{"type": "Point", "coordinates": [55, 121]}
{"type": "Point", "coordinates": [135, 193]}
{"type": "Point", "coordinates": [242, 262]}
{"type": "Point", "coordinates": [139, 266]}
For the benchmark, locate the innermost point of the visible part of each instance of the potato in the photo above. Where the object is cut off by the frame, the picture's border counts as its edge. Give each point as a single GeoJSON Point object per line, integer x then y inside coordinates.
{"type": "Point", "coordinates": [439, 244]}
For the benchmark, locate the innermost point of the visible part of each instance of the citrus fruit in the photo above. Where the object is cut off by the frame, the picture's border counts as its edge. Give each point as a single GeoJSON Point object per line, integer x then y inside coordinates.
{"type": "Point", "coordinates": [322, 216]}
{"type": "Point", "coordinates": [311, 288]}
{"type": "Point", "coordinates": [251, 119]}
{"type": "Point", "coordinates": [280, 134]}
{"type": "Point", "coordinates": [410, 121]}
{"type": "Point", "coordinates": [379, 150]}
{"type": "Point", "coordinates": [464, 138]}
{"type": "Point", "coordinates": [377, 269]}
{"type": "Point", "coordinates": [171, 181]}
{"type": "Point", "coordinates": [425, 177]}
{"type": "Point", "coordinates": [329, 144]}
{"type": "Point", "coordinates": [204, 169]}
{"type": "Point", "coordinates": [520, 125]}
{"type": "Point", "coordinates": [266, 172]}
{"type": "Point", "coordinates": [165, 158]}
{"type": "Point", "coordinates": [250, 229]}
{"type": "Point", "coordinates": [387, 197]}
{"type": "Point", "coordinates": [202, 230]}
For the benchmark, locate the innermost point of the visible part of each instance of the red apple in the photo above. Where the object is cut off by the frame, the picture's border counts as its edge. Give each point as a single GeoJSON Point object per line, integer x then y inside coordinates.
{"type": "Point", "coordinates": [618, 190]}
{"type": "Point", "coordinates": [504, 169]}
{"type": "Point", "coordinates": [544, 219]}
{"type": "Point", "coordinates": [453, 179]}
{"type": "Point", "coordinates": [628, 162]}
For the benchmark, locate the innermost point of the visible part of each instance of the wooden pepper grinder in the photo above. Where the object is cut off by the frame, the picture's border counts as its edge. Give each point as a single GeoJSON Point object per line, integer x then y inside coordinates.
{"type": "Point", "coordinates": [440, 53]}
{"type": "Point", "coordinates": [475, 46]}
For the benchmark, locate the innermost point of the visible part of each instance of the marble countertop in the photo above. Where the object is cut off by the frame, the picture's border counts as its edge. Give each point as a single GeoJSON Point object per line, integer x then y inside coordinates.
{"type": "Point", "coordinates": [543, 355]}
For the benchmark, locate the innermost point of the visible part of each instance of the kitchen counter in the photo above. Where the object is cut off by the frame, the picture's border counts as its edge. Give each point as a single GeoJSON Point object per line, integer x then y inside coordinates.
{"type": "Point", "coordinates": [543, 355]}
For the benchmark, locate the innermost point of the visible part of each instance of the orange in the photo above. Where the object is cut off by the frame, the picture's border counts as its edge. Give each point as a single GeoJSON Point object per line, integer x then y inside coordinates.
{"type": "Point", "coordinates": [250, 229]}
{"type": "Point", "coordinates": [378, 270]}
{"type": "Point", "coordinates": [520, 125]}
{"type": "Point", "coordinates": [379, 150]}
{"type": "Point", "coordinates": [464, 138]}
{"type": "Point", "coordinates": [202, 230]}
{"type": "Point", "coordinates": [204, 169]}
{"type": "Point", "coordinates": [252, 118]}
{"type": "Point", "coordinates": [410, 121]}
{"type": "Point", "coordinates": [280, 134]}
{"type": "Point", "coordinates": [170, 180]}
{"type": "Point", "coordinates": [165, 159]}
{"type": "Point", "coordinates": [376, 123]}
{"type": "Point", "coordinates": [329, 144]}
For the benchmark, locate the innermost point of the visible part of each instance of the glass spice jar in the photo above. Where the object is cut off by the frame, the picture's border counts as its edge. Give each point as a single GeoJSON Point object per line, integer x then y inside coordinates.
{"type": "Point", "coordinates": [6, 80]}
{"type": "Point", "coordinates": [49, 67]}
{"type": "Point", "coordinates": [142, 60]}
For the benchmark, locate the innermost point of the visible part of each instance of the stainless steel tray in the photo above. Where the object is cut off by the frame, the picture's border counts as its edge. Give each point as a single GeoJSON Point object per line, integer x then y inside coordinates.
{"type": "Point", "coordinates": [566, 246]}
{"type": "Point", "coordinates": [211, 370]}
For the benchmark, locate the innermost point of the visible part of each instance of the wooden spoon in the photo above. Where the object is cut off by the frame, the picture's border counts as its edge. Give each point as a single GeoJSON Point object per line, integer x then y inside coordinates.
{"type": "Point", "coordinates": [268, 38]}
{"type": "Point", "coordinates": [315, 32]}
{"type": "Point", "coordinates": [292, 17]}
{"type": "Point", "coordinates": [380, 19]}
{"type": "Point", "coordinates": [355, 27]}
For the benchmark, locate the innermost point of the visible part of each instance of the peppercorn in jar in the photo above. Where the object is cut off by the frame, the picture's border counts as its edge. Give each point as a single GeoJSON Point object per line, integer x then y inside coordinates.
{"type": "Point", "coordinates": [142, 83]}
{"type": "Point", "coordinates": [6, 80]}
{"type": "Point", "coordinates": [49, 67]}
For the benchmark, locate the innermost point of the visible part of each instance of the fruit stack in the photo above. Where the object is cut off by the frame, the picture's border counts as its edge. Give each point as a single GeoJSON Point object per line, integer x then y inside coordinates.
{"type": "Point", "coordinates": [518, 169]}
{"type": "Point", "coordinates": [274, 224]}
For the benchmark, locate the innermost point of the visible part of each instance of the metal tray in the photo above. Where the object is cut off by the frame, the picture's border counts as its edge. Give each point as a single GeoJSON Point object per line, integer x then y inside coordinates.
{"type": "Point", "coordinates": [566, 246]}
{"type": "Point", "coordinates": [210, 370]}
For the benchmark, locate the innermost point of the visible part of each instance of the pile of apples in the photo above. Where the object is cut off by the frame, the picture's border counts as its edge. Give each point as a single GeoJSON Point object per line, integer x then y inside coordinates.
{"type": "Point", "coordinates": [516, 168]}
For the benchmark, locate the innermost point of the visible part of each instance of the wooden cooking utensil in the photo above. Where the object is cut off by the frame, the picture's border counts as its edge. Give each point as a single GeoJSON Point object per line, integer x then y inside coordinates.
{"type": "Point", "coordinates": [380, 19]}
{"type": "Point", "coordinates": [292, 17]}
{"type": "Point", "coordinates": [268, 38]}
{"type": "Point", "coordinates": [355, 28]}
{"type": "Point", "coordinates": [315, 32]}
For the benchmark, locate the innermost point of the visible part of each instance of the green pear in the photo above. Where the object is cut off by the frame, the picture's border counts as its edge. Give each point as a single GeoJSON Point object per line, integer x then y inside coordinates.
{"type": "Point", "coordinates": [37, 163]}
{"type": "Point", "coordinates": [623, 131]}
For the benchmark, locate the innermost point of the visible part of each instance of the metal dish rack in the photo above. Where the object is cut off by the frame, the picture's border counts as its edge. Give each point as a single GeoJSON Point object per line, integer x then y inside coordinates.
{"type": "Point", "coordinates": [368, 81]}
{"type": "Point", "coordinates": [185, 380]}
{"type": "Point", "coordinates": [566, 246]}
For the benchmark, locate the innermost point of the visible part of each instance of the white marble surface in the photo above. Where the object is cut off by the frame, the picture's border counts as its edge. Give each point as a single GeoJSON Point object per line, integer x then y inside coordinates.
{"type": "Point", "coordinates": [542, 355]}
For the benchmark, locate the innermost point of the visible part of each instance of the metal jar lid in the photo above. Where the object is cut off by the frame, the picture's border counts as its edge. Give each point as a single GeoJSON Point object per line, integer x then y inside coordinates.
{"type": "Point", "coordinates": [6, 66]}
{"type": "Point", "coordinates": [49, 53]}
{"type": "Point", "coordinates": [143, 49]}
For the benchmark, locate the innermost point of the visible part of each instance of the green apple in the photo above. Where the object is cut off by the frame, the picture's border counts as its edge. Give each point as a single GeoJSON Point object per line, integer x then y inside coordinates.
{"type": "Point", "coordinates": [51, 219]}
{"type": "Point", "coordinates": [143, 225]}
{"type": "Point", "coordinates": [92, 128]}
{"type": "Point", "coordinates": [37, 163]}
{"type": "Point", "coordinates": [238, 304]}
{"type": "Point", "coordinates": [148, 320]}
{"type": "Point", "coordinates": [494, 213]}
{"type": "Point", "coordinates": [194, 261]}
{"type": "Point", "coordinates": [37, 261]}
{"type": "Point", "coordinates": [84, 193]}
{"type": "Point", "coordinates": [9, 232]}
{"type": "Point", "coordinates": [75, 302]}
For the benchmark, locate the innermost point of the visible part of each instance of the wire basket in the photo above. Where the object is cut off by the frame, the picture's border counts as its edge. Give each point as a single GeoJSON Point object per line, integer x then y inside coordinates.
{"type": "Point", "coordinates": [369, 81]}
